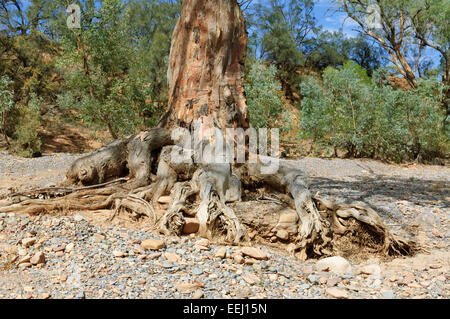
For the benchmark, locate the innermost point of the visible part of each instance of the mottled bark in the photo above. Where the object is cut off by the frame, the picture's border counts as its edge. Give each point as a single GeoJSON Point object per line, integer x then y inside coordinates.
{"type": "Point", "coordinates": [206, 67]}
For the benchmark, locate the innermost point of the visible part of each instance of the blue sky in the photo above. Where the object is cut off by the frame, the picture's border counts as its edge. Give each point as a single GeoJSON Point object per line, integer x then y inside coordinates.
{"type": "Point", "coordinates": [330, 20]}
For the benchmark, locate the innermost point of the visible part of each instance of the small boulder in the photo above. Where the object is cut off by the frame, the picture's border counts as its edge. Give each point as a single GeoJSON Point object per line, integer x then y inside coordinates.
{"type": "Point", "coordinates": [221, 253]}
{"type": "Point", "coordinates": [191, 225]}
{"type": "Point", "coordinates": [337, 293]}
{"type": "Point", "coordinates": [255, 253]}
{"type": "Point", "coordinates": [27, 242]}
{"type": "Point", "coordinates": [38, 258]}
{"type": "Point", "coordinates": [153, 244]}
{"type": "Point", "coordinates": [335, 264]}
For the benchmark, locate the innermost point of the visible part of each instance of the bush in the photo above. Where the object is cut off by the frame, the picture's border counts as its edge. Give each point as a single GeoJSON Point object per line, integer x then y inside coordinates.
{"type": "Point", "coordinates": [368, 118]}
{"type": "Point", "coordinates": [26, 139]}
{"type": "Point", "coordinates": [6, 103]}
{"type": "Point", "coordinates": [263, 93]}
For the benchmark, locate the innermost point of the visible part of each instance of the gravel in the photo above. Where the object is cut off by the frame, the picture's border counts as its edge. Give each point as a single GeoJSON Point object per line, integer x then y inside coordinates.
{"type": "Point", "coordinates": [105, 260]}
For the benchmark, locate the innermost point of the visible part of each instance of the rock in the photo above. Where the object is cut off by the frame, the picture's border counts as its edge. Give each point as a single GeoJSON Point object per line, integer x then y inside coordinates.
{"type": "Point", "coordinates": [238, 258]}
{"type": "Point", "coordinates": [25, 265]}
{"type": "Point", "coordinates": [255, 253]}
{"type": "Point", "coordinates": [370, 270]}
{"type": "Point", "coordinates": [38, 258]}
{"type": "Point", "coordinates": [282, 234]}
{"type": "Point", "coordinates": [164, 200]}
{"type": "Point", "coordinates": [22, 252]}
{"type": "Point", "coordinates": [59, 248]}
{"type": "Point", "coordinates": [59, 254]}
{"type": "Point", "coordinates": [186, 286]}
{"type": "Point", "coordinates": [191, 226]}
{"type": "Point", "coordinates": [288, 216]}
{"type": "Point", "coordinates": [334, 264]}
{"type": "Point", "coordinates": [25, 259]}
{"type": "Point", "coordinates": [153, 244]}
{"type": "Point", "coordinates": [221, 253]}
{"type": "Point", "coordinates": [202, 242]}
{"type": "Point", "coordinates": [197, 294]}
{"type": "Point", "coordinates": [27, 242]}
{"type": "Point", "coordinates": [172, 257]}
{"type": "Point", "coordinates": [118, 254]}
{"type": "Point", "coordinates": [251, 279]}
{"type": "Point", "coordinates": [273, 277]}
{"type": "Point", "coordinates": [337, 293]}
{"type": "Point", "coordinates": [45, 295]}
{"type": "Point", "coordinates": [69, 247]}
{"type": "Point", "coordinates": [333, 281]}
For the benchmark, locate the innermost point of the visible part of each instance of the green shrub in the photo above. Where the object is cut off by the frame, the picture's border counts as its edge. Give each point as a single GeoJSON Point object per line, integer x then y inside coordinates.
{"type": "Point", "coordinates": [26, 139]}
{"type": "Point", "coordinates": [369, 118]}
{"type": "Point", "coordinates": [263, 93]}
{"type": "Point", "coordinates": [6, 103]}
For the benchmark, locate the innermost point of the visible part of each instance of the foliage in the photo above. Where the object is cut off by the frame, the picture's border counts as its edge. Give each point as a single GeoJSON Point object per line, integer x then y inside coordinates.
{"type": "Point", "coordinates": [263, 95]}
{"type": "Point", "coordinates": [118, 65]}
{"type": "Point", "coordinates": [27, 142]}
{"type": "Point", "coordinates": [349, 111]}
{"type": "Point", "coordinates": [6, 103]}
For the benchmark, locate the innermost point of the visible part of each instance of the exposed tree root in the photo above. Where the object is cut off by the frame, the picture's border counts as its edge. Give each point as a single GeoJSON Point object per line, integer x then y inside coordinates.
{"type": "Point", "coordinates": [313, 226]}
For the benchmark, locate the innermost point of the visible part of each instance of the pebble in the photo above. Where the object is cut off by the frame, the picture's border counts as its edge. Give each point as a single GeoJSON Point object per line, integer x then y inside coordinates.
{"type": "Point", "coordinates": [27, 242]}
{"type": "Point", "coordinates": [221, 253]}
{"type": "Point", "coordinates": [337, 293]}
{"type": "Point", "coordinates": [336, 264]}
{"type": "Point", "coordinates": [38, 258]}
{"type": "Point", "coordinates": [254, 252]}
{"type": "Point", "coordinates": [153, 244]}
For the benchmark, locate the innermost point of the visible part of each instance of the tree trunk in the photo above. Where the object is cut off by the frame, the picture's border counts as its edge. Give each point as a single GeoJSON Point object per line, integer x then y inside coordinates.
{"type": "Point", "coordinates": [206, 67]}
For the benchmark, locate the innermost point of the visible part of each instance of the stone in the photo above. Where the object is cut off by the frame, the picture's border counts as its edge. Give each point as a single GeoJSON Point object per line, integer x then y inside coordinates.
{"type": "Point", "coordinates": [118, 254]}
{"type": "Point", "coordinates": [198, 294]}
{"type": "Point", "coordinates": [202, 242]}
{"type": "Point", "coordinates": [221, 253]}
{"type": "Point", "coordinates": [69, 247]}
{"type": "Point", "coordinates": [251, 279]}
{"type": "Point", "coordinates": [28, 242]}
{"type": "Point", "coordinates": [282, 234]}
{"type": "Point", "coordinates": [238, 258]}
{"type": "Point", "coordinates": [22, 252]}
{"type": "Point", "coordinates": [370, 270]}
{"type": "Point", "coordinates": [59, 254]}
{"type": "Point", "coordinates": [336, 264]}
{"type": "Point", "coordinates": [25, 265]}
{"type": "Point", "coordinates": [45, 295]}
{"type": "Point", "coordinates": [255, 253]}
{"type": "Point", "coordinates": [191, 225]}
{"type": "Point", "coordinates": [38, 258]}
{"type": "Point", "coordinates": [172, 257]}
{"type": "Point", "coordinates": [288, 216]}
{"type": "Point", "coordinates": [24, 259]}
{"type": "Point", "coordinates": [59, 248]}
{"type": "Point", "coordinates": [153, 244]}
{"type": "Point", "coordinates": [333, 281]}
{"type": "Point", "coordinates": [273, 277]}
{"type": "Point", "coordinates": [164, 200]}
{"type": "Point", "coordinates": [337, 293]}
